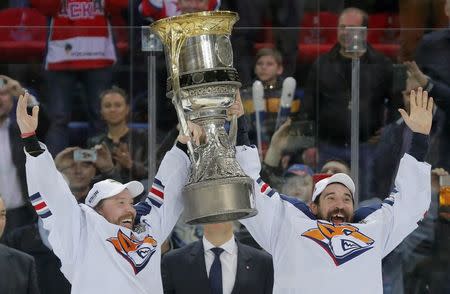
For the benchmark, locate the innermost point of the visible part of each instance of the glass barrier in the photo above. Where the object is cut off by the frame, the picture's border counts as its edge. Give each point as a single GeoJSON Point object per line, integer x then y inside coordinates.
{"type": "Point", "coordinates": [107, 96]}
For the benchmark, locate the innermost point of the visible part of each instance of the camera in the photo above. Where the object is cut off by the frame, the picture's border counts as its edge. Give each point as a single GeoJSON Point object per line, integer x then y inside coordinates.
{"type": "Point", "coordinates": [85, 155]}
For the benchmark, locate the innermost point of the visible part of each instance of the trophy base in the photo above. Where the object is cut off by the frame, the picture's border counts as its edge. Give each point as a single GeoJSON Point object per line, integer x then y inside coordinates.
{"type": "Point", "coordinates": [219, 200]}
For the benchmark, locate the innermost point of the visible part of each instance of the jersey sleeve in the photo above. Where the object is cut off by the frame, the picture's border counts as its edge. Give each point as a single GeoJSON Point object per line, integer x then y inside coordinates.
{"type": "Point", "coordinates": [273, 208]}
{"type": "Point", "coordinates": [55, 205]}
{"type": "Point", "coordinates": [406, 205]}
{"type": "Point", "coordinates": [164, 197]}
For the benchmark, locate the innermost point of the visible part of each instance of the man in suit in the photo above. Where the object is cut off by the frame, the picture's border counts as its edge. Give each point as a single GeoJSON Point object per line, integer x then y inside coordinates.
{"type": "Point", "coordinates": [217, 264]}
{"type": "Point", "coordinates": [18, 271]}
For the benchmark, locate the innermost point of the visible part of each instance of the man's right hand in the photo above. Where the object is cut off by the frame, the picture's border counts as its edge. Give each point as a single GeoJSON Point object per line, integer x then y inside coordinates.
{"type": "Point", "coordinates": [27, 123]}
{"type": "Point", "coordinates": [64, 159]}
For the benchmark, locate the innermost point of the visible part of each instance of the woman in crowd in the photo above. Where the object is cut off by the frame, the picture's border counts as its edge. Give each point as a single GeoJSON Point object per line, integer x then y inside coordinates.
{"type": "Point", "coordinates": [128, 147]}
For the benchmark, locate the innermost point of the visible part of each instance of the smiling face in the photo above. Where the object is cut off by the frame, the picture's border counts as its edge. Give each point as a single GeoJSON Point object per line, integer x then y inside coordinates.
{"type": "Point", "coordinates": [114, 109]}
{"type": "Point", "coordinates": [118, 209]}
{"type": "Point", "coordinates": [335, 204]}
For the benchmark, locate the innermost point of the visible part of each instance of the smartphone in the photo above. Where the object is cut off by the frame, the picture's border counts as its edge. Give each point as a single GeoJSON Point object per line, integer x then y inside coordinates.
{"type": "Point", "coordinates": [2, 83]}
{"type": "Point", "coordinates": [85, 155]}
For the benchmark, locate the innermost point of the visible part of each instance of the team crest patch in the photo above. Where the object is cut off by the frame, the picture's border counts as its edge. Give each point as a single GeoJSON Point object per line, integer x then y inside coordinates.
{"type": "Point", "coordinates": [341, 242]}
{"type": "Point", "coordinates": [137, 253]}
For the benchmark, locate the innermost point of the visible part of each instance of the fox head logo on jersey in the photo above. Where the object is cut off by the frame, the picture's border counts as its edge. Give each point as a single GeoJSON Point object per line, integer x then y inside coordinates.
{"type": "Point", "coordinates": [136, 252]}
{"type": "Point", "coordinates": [341, 242]}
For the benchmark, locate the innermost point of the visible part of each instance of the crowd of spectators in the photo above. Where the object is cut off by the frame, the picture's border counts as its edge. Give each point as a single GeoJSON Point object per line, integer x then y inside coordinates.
{"type": "Point", "coordinates": [93, 116]}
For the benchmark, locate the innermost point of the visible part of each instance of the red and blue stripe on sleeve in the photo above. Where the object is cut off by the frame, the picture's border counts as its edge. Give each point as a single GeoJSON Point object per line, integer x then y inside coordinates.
{"type": "Point", "coordinates": [40, 206]}
{"type": "Point", "coordinates": [156, 193]}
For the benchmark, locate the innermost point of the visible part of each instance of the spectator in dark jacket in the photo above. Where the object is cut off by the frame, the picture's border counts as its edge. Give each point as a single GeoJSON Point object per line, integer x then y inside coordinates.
{"type": "Point", "coordinates": [328, 97]}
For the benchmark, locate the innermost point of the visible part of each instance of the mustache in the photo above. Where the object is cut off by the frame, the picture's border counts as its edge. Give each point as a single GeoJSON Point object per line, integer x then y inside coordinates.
{"type": "Point", "coordinates": [338, 211]}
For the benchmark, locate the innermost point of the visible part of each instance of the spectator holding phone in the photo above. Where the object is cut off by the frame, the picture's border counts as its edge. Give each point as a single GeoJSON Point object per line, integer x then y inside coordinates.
{"type": "Point", "coordinates": [128, 147]}
{"type": "Point", "coordinates": [83, 167]}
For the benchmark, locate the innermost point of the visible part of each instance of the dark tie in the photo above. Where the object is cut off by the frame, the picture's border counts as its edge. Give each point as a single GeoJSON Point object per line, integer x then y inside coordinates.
{"type": "Point", "coordinates": [215, 273]}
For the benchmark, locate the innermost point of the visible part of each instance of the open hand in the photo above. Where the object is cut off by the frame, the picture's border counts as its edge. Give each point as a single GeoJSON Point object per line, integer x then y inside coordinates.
{"type": "Point", "coordinates": [280, 139]}
{"type": "Point", "coordinates": [27, 123]}
{"type": "Point", "coordinates": [421, 112]}
{"type": "Point", "coordinates": [64, 159]}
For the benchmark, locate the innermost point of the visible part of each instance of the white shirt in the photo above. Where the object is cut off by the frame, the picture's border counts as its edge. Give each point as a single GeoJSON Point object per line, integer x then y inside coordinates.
{"type": "Point", "coordinates": [98, 256]}
{"type": "Point", "coordinates": [9, 182]}
{"type": "Point", "coordinates": [315, 256]}
{"type": "Point", "coordinates": [228, 259]}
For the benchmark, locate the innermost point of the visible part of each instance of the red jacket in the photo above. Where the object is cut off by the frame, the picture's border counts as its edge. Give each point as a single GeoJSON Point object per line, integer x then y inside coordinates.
{"type": "Point", "coordinates": [157, 9]}
{"type": "Point", "coordinates": [80, 35]}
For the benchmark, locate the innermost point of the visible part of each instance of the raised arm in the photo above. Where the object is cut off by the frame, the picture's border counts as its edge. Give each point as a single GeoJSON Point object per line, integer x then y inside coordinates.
{"type": "Point", "coordinates": [410, 199]}
{"type": "Point", "coordinates": [48, 191]}
{"type": "Point", "coordinates": [272, 207]}
{"type": "Point", "coordinates": [163, 203]}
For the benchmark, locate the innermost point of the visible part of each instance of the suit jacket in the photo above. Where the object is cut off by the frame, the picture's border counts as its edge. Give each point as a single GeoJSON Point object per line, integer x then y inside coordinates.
{"type": "Point", "coordinates": [184, 271]}
{"type": "Point", "coordinates": [50, 279]}
{"type": "Point", "coordinates": [18, 272]}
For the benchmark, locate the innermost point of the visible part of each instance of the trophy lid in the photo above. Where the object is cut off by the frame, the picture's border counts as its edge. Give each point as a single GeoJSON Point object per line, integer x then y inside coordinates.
{"type": "Point", "coordinates": [194, 24]}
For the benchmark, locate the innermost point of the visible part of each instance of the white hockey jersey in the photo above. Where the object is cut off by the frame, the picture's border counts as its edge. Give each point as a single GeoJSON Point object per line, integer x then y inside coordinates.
{"type": "Point", "coordinates": [97, 256]}
{"type": "Point", "coordinates": [315, 256]}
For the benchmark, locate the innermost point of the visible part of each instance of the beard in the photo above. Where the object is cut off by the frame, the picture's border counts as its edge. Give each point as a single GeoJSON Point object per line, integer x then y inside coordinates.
{"type": "Point", "coordinates": [336, 216]}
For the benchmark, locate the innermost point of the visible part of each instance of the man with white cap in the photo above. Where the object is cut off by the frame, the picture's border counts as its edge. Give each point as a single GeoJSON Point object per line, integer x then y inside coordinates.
{"type": "Point", "coordinates": [98, 248]}
{"type": "Point", "coordinates": [319, 249]}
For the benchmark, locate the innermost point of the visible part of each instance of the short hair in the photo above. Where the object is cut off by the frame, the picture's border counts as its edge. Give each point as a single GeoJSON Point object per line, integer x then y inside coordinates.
{"type": "Point", "coordinates": [270, 52]}
{"type": "Point", "coordinates": [115, 90]}
{"type": "Point", "coordinates": [365, 16]}
{"type": "Point", "coordinates": [339, 160]}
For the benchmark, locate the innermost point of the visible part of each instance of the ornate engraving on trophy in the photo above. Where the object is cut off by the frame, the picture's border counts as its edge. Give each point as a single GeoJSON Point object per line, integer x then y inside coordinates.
{"type": "Point", "coordinates": [202, 85]}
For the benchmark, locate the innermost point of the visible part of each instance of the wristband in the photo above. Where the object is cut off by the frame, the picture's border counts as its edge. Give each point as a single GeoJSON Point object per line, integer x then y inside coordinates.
{"type": "Point", "coordinates": [26, 135]}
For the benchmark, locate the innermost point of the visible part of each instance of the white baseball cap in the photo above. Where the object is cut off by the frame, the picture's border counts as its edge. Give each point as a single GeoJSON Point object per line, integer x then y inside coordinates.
{"type": "Point", "coordinates": [109, 188]}
{"type": "Point", "coordinates": [340, 178]}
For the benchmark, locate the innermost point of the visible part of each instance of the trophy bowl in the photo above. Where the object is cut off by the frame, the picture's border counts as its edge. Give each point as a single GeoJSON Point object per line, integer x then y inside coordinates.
{"type": "Point", "coordinates": [202, 85]}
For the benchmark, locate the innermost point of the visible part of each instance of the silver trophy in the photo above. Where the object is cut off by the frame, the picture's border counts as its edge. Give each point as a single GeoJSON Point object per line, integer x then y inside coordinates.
{"type": "Point", "coordinates": [202, 85]}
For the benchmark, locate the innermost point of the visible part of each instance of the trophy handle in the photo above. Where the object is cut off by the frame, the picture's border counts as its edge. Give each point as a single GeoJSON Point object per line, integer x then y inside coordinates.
{"type": "Point", "coordinates": [233, 130]}
{"type": "Point", "coordinates": [184, 126]}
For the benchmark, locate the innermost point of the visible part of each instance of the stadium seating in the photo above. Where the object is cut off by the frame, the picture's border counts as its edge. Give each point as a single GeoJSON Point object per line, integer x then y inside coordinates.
{"type": "Point", "coordinates": [23, 33]}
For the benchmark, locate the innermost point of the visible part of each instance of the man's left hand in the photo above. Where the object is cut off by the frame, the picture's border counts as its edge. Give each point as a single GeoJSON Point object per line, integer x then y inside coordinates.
{"type": "Point", "coordinates": [421, 112]}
